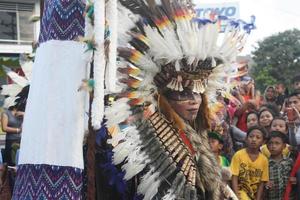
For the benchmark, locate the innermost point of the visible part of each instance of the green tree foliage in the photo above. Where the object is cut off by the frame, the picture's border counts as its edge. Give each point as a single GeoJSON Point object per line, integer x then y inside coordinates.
{"type": "Point", "coordinates": [8, 62]}
{"type": "Point", "coordinates": [277, 59]}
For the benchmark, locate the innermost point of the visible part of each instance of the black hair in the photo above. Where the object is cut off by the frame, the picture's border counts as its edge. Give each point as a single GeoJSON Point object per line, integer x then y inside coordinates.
{"type": "Point", "coordinates": [11, 107]}
{"type": "Point", "coordinates": [266, 109]}
{"type": "Point", "coordinates": [217, 136]}
{"type": "Point", "coordinates": [260, 128]}
{"type": "Point", "coordinates": [296, 78]}
{"type": "Point", "coordinates": [278, 134]}
{"type": "Point", "coordinates": [226, 100]}
{"type": "Point", "coordinates": [271, 106]}
{"type": "Point", "coordinates": [295, 94]}
{"type": "Point", "coordinates": [22, 98]}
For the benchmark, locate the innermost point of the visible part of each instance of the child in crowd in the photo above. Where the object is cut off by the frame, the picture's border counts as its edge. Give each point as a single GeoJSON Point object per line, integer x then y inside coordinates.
{"type": "Point", "coordinates": [252, 119]}
{"type": "Point", "coordinates": [216, 145]}
{"type": "Point", "coordinates": [265, 118]}
{"type": "Point", "coordinates": [279, 166]}
{"type": "Point", "coordinates": [249, 167]}
{"type": "Point", "coordinates": [277, 124]}
{"type": "Point", "coordinates": [281, 94]}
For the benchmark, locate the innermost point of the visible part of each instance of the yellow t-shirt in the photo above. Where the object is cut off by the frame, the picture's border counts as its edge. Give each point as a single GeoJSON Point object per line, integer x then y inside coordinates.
{"type": "Point", "coordinates": [264, 150]}
{"type": "Point", "coordinates": [250, 173]}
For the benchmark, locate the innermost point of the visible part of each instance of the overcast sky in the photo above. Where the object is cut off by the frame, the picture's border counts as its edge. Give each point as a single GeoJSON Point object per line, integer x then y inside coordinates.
{"type": "Point", "coordinates": [272, 16]}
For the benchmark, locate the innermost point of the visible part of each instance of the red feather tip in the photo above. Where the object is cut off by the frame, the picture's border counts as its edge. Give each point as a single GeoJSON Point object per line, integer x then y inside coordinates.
{"type": "Point", "coordinates": [131, 82]}
{"type": "Point", "coordinates": [135, 102]}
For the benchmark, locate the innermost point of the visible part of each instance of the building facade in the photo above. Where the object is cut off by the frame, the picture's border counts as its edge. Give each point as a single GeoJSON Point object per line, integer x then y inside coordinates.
{"type": "Point", "coordinates": [16, 31]}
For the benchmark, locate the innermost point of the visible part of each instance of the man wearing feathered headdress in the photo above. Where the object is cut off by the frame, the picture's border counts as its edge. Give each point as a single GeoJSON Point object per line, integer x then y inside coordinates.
{"type": "Point", "coordinates": [170, 66]}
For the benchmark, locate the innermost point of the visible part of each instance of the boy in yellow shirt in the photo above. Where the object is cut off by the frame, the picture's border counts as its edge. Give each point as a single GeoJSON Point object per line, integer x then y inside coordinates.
{"type": "Point", "coordinates": [250, 168]}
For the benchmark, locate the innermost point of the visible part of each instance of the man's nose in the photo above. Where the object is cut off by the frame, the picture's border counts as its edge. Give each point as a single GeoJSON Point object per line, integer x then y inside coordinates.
{"type": "Point", "coordinates": [193, 101]}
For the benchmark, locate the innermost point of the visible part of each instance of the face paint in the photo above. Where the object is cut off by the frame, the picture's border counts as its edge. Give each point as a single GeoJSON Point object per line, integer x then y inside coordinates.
{"type": "Point", "coordinates": [185, 95]}
{"type": "Point", "coordinates": [186, 103]}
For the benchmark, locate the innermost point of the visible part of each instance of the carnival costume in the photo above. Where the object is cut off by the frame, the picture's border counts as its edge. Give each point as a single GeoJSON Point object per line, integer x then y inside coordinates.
{"type": "Point", "coordinates": [166, 54]}
{"type": "Point", "coordinates": [169, 56]}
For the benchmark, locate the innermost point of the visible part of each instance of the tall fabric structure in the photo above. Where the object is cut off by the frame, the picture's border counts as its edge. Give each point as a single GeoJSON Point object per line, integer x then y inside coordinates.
{"type": "Point", "coordinates": [51, 157]}
{"type": "Point", "coordinates": [73, 35]}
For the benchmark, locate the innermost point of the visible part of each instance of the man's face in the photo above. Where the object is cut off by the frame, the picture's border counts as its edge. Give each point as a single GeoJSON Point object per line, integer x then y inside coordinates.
{"type": "Point", "coordinates": [295, 102]}
{"type": "Point", "coordinates": [296, 85]}
{"type": "Point", "coordinates": [187, 105]}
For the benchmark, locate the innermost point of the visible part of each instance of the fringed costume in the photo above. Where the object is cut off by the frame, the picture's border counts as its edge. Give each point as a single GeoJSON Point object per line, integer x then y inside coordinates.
{"type": "Point", "coordinates": [170, 65]}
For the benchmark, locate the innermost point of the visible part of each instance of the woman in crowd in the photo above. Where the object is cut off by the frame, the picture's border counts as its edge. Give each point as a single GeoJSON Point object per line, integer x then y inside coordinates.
{"type": "Point", "coordinates": [270, 94]}
{"type": "Point", "coordinates": [11, 122]}
{"type": "Point", "coordinates": [265, 118]}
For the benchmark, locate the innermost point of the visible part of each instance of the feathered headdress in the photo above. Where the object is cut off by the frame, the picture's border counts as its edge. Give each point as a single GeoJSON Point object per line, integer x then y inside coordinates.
{"type": "Point", "coordinates": [165, 48]}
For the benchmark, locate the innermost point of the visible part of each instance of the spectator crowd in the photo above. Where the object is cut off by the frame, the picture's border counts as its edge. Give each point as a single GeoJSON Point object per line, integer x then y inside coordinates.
{"type": "Point", "coordinates": [256, 139]}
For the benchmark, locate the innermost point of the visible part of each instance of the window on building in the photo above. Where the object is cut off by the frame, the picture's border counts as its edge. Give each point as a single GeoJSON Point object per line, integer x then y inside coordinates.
{"type": "Point", "coordinates": [8, 25]}
{"type": "Point", "coordinates": [14, 23]}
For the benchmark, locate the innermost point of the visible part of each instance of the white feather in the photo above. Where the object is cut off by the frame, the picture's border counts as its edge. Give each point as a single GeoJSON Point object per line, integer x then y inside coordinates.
{"type": "Point", "coordinates": [11, 89]}
{"type": "Point", "coordinates": [136, 162]}
{"type": "Point", "coordinates": [122, 150]}
{"type": "Point", "coordinates": [117, 112]}
{"type": "Point", "coordinates": [121, 135]}
{"type": "Point", "coordinates": [170, 195]}
{"type": "Point", "coordinates": [128, 21]}
{"type": "Point", "coordinates": [147, 180]}
{"type": "Point", "coordinates": [27, 69]}
{"type": "Point", "coordinates": [152, 190]}
{"type": "Point", "coordinates": [112, 19]}
{"type": "Point", "coordinates": [146, 63]}
{"type": "Point", "coordinates": [9, 101]}
{"type": "Point", "coordinates": [15, 77]}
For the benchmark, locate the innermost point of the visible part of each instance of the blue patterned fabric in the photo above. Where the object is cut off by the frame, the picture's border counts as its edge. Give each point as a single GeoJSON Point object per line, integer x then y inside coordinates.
{"type": "Point", "coordinates": [48, 182]}
{"type": "Point", "coordinates": [62, 20]}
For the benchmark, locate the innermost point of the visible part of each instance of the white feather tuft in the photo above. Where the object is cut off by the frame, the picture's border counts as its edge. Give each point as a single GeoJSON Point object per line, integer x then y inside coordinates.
{"type": "Point", "coordinates": [9, 101]}
{"type": "Point", "coordinates": [170, 195]}
{"type": "Point", "coordinates": [11, 89]}
{"type": "Point", "coordinates": [112, 20]}
{"type": "Point", "coordinates": [15, 77]}
{"type": "Point", "coordinates": [27, 69]}
{"type": "Point", "coordinates": [99, 63]}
